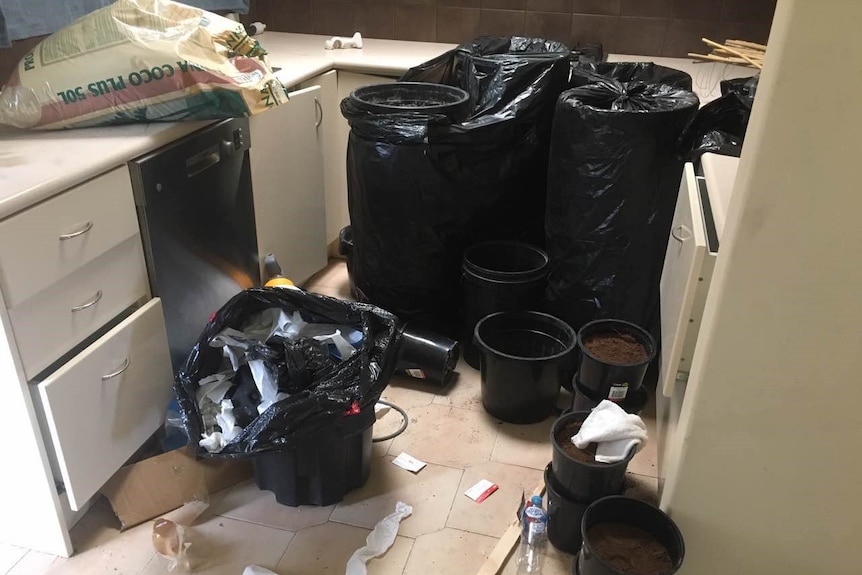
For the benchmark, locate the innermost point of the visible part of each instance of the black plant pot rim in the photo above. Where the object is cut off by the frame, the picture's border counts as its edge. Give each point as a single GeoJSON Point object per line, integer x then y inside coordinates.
{"type": "Point", "coordinates": [504, 277]}
{"type": "Point", "coordinates": [644, 337]}
{"type": "Point", "coordinates": [639, 503]}
{"type": "Point", "coordinates": [573, 416]}
{"type": "Point", "coordinates": [483, 345]}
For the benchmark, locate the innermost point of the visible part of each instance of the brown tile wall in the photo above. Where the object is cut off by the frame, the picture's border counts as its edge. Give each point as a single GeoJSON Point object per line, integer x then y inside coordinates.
{"type": "Point", "coordinates": [643, 27]}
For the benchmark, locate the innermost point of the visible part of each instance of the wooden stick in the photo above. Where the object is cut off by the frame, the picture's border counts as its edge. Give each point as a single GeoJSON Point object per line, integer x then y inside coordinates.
{"type": "Point", "coordinates": [750, 52]}
{"type": "Point", "coordinates": [506, 544]}
{"type": "Point", "coordinates": [709, 42]}
{"type": "Point", "coordinates": [745, 44]}
{"type": "Point", "coordinates": [716, 58]}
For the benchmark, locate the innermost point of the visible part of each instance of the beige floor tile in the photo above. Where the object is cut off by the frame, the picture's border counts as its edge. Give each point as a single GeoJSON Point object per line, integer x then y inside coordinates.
{"type": "Point", "coordinates": [449, 551]}
{"type": "Point", "coordinates": [463, 391]}
{"type": "Point", "coordinates": [492, 516]}
{"type": "Point", "coordinates": [645, 462]}
{"type": "Point", "coordinates": [407, 392]}
{"type": "Point", "coordinates": [325, 549]}
{"type": "Point", "coordinates": [99, 548]}
{"type": "Point", "coordinates": [333, 275]}
{"type": "Point", "coordinates": [430, 492]}
{"type": "Point", "coordinates": [223, 546]}
{"type": "Point", "coordinates": [526, 445]}
{"type": "Point", "coordinates": [556, 562]}
{"type": "Point", "coordinates": [246, 502]}
{"type": "Point", "coordinates": [9, 556]}
{"type": "Point", "coordinates": [642, 487]}
{"type": "Point", "coordinates": [380, 448]}
{"type": "Point", "coordinates": [448, 436]}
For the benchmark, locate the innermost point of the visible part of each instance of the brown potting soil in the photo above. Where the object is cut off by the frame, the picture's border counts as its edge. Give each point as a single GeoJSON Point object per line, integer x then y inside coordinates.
{"type": "Point", "coordinates": [629, 549]}
{"type": "Point", "coordinates": [621, 348]}
{"type": "Point", "coordinates": [564, 440]}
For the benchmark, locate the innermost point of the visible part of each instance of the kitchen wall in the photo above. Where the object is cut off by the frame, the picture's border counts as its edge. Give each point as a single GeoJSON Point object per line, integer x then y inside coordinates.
{"type": "Point", "coordinates": [644, 27]}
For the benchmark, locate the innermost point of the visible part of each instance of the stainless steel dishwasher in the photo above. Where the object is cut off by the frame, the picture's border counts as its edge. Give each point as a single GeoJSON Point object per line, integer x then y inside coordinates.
{"type": "Point", "coordinates": [196, 213]}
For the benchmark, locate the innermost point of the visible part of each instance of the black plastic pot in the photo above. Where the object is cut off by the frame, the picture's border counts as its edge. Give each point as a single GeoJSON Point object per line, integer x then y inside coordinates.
{"type": "Point", "coordinates": [584, 481]}
{"type": "Point", "coordinates": [607, 380]}
{"type": "Point", "coordinates": [499, 276]}
{"type": "Point", "coordinates": [419, 97]}
{"type": "Point", "coordinates": [523, 361]}
{"type": "Point", "coordinates": [345, 248]}
{"type": "Point", "coordinates": [426, 355]}
{"type": "Point", "coordinates": [564, 516]}
{"type": "Point", "coordinates": [632, 512]}
{"type": "Point", "coordinates": [634, 403]}
{"type": "Point", "coordinates": [322, 468]}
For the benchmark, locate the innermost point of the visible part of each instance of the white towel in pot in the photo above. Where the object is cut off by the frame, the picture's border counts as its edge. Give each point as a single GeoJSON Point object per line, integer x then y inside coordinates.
{"type": "Point", "coordinates": [614, 430]}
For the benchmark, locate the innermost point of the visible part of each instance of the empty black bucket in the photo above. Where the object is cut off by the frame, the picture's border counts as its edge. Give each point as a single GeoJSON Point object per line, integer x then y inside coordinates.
{"type": "Point", "coordinates": [564, 516]}
{"type": "Point", "coordinates": [523, 361]}
{"type": "Point", "coordinates": [604, 377]}
{"type": "Point", "coordinates": [582, 480]}
{"type": "Point", "coordinates": [321, 468]}
{"type": "Point", "coordinates": [499, 276]}
{"type": "Point", "coordinates": [426, 355]}
{"type": "Point", "coordinates": [631, 512]}
{"type": "Point", "coordinates": [419, 97]}
{"type": "Point", "coordinates": [634, 403]}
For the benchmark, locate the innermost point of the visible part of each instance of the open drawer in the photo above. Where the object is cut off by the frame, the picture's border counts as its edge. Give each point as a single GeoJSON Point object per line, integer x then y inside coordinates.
{"type": "Point", "coordinates": [102, 405]}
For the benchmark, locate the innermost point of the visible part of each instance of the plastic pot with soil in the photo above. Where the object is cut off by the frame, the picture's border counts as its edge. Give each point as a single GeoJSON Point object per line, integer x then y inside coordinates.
{"type": "Point", "coordinates": [624, 536]}
{"type": "Point", "coordinates": [613, 358]}
{"type": "Point", "coordinates": [579, 475]}
{"type": "Point", "coordinates": [634, 403]}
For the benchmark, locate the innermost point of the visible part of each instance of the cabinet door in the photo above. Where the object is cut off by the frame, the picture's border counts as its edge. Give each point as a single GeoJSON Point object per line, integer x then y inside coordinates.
{"type": "Point", "coordinates": [287, 183]}
{"type": "Point", "coordinates": [103, 404]}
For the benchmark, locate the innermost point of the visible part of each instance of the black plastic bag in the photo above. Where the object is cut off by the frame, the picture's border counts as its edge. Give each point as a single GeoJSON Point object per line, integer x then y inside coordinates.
{"type": "Point", "coordinates": [647, 72]}
{"type": "Point", "coordinates": [422, 189]}
{"type": "Point", "coordinates": [613, 180]}
{"type": "Point", "coordinates": [337, 390]}
{"type": "Point", "coordinates": [719, 126]}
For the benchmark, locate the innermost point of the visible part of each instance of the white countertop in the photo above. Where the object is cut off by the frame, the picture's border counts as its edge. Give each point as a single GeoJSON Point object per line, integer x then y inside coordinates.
{"type": "Point", "coordinates": [36, 165]}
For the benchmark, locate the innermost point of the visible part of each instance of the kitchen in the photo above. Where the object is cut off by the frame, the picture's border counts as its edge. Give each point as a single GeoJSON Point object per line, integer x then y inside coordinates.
{"type": "Point", "coordinates": [720, 507]}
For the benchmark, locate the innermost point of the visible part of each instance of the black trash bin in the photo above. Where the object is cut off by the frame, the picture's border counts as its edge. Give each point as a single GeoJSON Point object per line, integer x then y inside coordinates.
{"type": "Point", "coordinates": [423, 186]}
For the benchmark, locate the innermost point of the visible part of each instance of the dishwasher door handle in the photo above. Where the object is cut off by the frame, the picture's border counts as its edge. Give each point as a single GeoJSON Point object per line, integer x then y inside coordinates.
{"type": "Point", "coordinates": [203, 161]}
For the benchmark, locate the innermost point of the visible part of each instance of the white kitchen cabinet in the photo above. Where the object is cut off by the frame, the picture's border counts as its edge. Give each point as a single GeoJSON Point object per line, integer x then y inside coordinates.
{"type": "Point", "coordinates": [287, 182]}
{"type": "Point", "coordinates": [336, 132]}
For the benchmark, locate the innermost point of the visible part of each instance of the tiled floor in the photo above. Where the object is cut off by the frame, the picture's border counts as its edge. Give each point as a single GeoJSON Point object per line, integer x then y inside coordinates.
{"type": "Point", "coordinates": [447, 533]}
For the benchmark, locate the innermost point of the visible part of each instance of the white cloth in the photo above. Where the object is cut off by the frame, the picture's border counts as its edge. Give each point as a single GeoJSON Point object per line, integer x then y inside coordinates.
{"type": "Point", "coordinates": [614, 430]}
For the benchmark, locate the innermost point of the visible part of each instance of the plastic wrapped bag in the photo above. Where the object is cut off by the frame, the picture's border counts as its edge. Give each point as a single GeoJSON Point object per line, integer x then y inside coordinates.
{"type": "Point", "coordinates": [140, 61]}
{"type": "Point", "coordinates": [613, 181]}
{"type": "Point", "coordinates": [422, 189]}
{"type": "Point", "coordinates": [719, 127]}
{"type": "Point", "coordinates": [257, 420]}
{"type": "Point", "coordinates": [647, 72]}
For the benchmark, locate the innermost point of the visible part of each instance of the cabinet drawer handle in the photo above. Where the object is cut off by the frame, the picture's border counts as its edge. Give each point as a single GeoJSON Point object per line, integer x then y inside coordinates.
{"type": "Point", "coordinates": [89, 303]}
{"type": "Point", "coordinates": [680, 233]}
{"type": "Point", "coordinates": [86, 228]}
{"type": "Point", "coordinates": [114, 374]}
{"type": "Point", "coordinates": [318, 108]}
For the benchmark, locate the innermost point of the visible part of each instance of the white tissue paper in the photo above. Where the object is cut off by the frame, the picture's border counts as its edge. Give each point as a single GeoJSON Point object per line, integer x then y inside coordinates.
{"type": "Point", "coordinates": [378, 541]}
{"type": "Point", "coordinates": [257, 570]}
{"type": "Point", "coordinates": [615, 431]}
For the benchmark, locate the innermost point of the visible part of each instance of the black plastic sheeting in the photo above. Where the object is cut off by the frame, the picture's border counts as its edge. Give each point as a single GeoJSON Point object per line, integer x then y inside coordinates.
{"type": "Point", "coordinates": [613, 181]}
{"type": "Point", "coordinates": [720, 126]}
{"type": "Point", "coordinates": [338, 389]}
{"type": "Point", "coordinates": [647, 72]}
{"type": "Point", "coordinates": [422, 189]}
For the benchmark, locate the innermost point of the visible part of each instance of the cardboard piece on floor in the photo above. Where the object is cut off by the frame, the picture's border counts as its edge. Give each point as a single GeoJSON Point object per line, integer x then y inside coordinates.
{"type": "Point", "coordinates": [146, 489]}
{"type": "Point", "coordinates": [408, 462]}
{"type": "Point", "coordinates": [481, 491]}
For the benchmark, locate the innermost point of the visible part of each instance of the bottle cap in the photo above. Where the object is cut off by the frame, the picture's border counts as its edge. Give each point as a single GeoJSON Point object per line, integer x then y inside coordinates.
{"type": "Point", "coordinates": [536, 500]}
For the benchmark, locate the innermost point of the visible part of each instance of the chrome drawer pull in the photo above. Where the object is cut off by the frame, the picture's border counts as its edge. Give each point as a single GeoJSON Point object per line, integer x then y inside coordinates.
{"type": "Point", "coordinates": [113, 374]}
{"type": "Point", "coordinates": [89, 303]}
{"type": "Point", "coordinates": [87, 227]}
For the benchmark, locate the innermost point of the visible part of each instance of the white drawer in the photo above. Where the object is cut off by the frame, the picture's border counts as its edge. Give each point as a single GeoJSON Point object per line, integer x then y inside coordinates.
{"type": "Point", "coordinates": [52, 322]}
{"type": "Point", "coordinates": [102, 405]}
{"type": "Point", "coordinates": [92, 218]}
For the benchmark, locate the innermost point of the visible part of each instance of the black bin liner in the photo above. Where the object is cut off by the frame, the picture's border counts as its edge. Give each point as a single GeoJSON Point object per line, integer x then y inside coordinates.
{"type": "Point", "coordinates": [719, 127]}
{"type": "Point", "coordinates": [613, 180]}
{"type": "Point", "coordinates": [647, 72]}
{"type": "Point", "coordinates": [422, 188]}
{"type": "Point", "coordinates": [336, 390]}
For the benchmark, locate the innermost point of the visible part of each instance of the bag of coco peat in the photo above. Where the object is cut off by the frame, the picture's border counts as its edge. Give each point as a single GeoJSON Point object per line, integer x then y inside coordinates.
{"type": "Point", "coordinates": [139, 61]}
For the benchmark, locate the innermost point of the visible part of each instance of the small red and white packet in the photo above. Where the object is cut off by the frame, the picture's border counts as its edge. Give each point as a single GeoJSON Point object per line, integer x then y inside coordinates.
{"type": "Point", "coordinates": [481, 491]}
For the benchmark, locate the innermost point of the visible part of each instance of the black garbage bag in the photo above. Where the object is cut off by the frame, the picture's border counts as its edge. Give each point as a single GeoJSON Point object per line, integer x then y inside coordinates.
{"type": "Point", "coordinates": [719, 126]}
{"type": "Point", "coordinates": [422, 189]}
{"type": "Point", "coordinates": [613, 180]}
{"type": "Point", "coordinates": [318, 384]}
{"type": "Point", "coordinates": [647, 72]}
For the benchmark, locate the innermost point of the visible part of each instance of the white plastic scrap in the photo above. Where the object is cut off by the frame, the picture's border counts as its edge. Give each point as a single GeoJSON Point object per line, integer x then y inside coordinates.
{"type": "Point", "coordinates": [379, 540]}
{"type": "Point", "coordinates": [257, 570]}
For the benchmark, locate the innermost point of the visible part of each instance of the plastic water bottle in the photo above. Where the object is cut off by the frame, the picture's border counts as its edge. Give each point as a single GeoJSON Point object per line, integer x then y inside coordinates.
{"type": "Point", "coordinates": [534, 525]}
